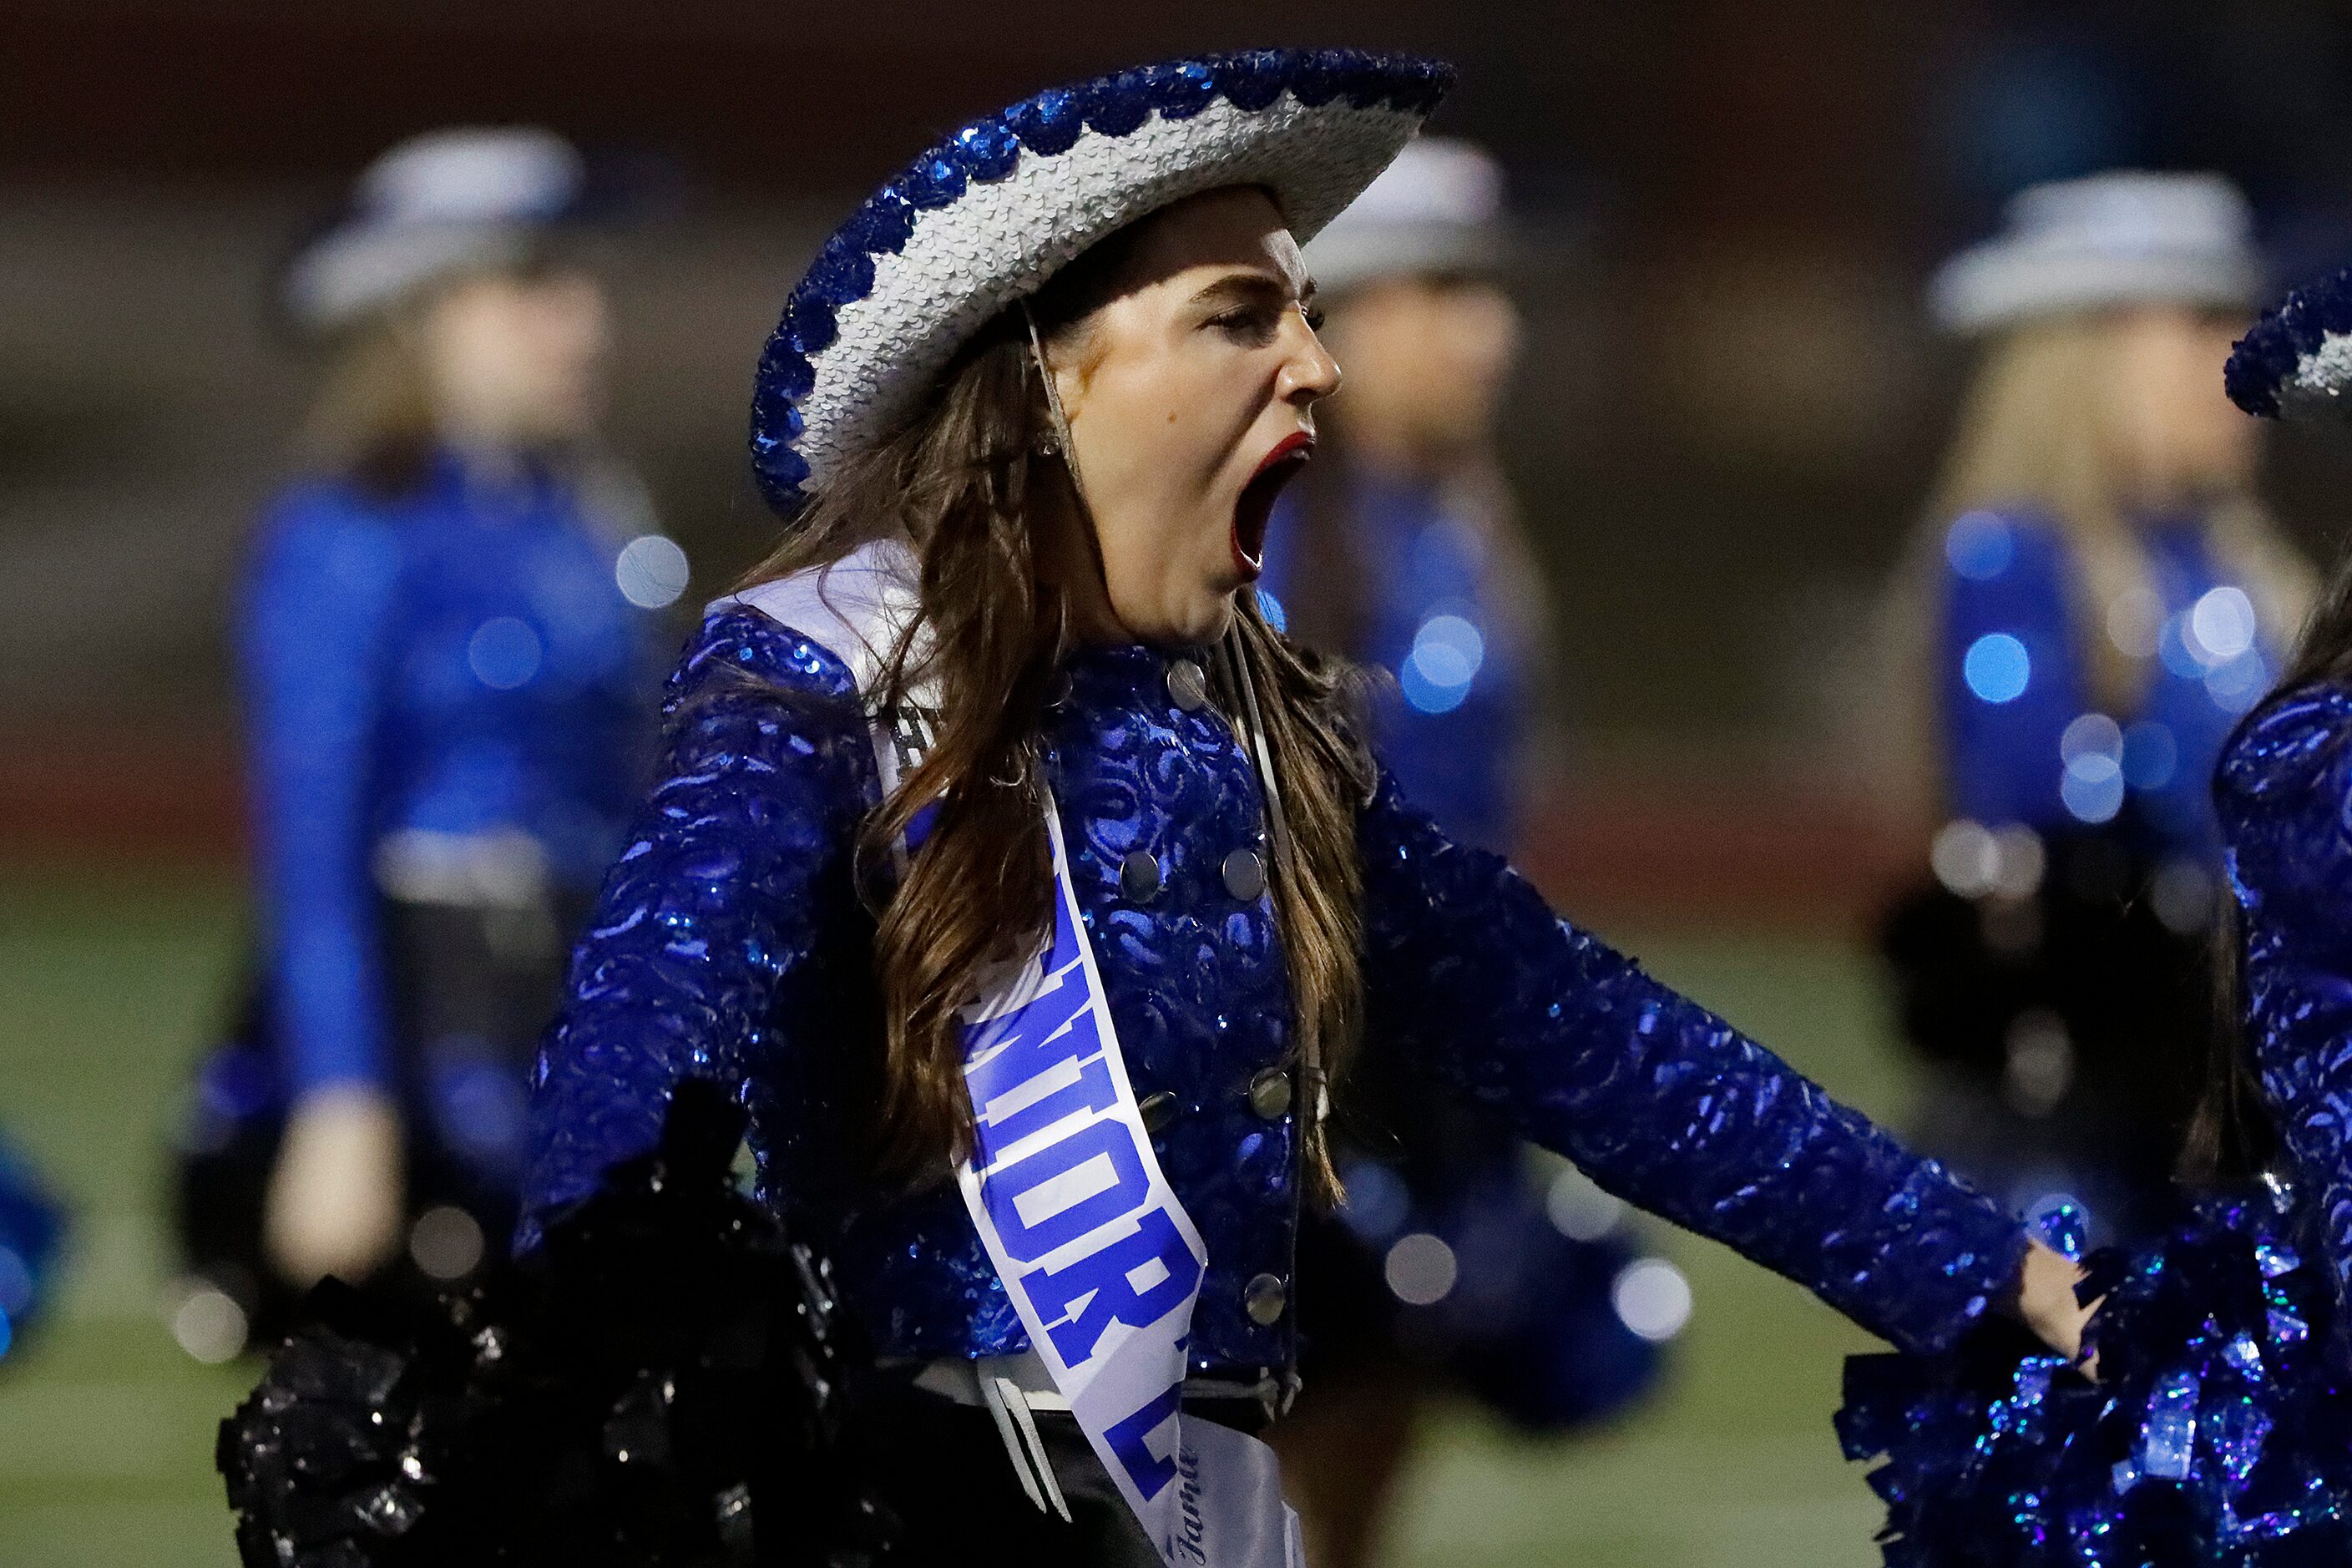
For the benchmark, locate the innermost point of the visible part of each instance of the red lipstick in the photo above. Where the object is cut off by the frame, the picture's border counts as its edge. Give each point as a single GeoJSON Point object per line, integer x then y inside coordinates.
{"type": "Point", "coordinates": [1254, 510]}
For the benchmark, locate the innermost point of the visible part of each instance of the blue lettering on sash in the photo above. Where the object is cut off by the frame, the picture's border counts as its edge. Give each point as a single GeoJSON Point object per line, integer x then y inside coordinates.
{"type": "Point", "coordinates": [1103, 1276]}
{"type": "Point", "coordinates": [1030, 1037]}
{"type": "Point", "coordinates": [1148, 1470]}
{"type": "Point", "coordinates": [1001, 1190]}
{"type": "Point", "coordinates": [1032, 1040]}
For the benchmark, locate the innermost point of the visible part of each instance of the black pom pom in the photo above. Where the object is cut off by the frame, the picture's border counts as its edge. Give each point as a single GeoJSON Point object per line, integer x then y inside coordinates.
{"type": "Point", "coordinates": [663, 1383]}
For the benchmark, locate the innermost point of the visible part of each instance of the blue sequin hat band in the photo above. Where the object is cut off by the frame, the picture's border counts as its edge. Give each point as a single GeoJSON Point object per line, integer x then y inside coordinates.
{"type": "Point", "coordinates": [986, 217]}
{"type": "Point", "coordinates": [2297, 361]}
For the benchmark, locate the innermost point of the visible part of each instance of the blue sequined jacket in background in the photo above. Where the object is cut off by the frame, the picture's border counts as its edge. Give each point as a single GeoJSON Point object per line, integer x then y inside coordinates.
{"type": "Point", "coordinates": [457, 657]}
{"type": "Point", "coordinates": [728, 942]}
{"type": "Point", "coordinates": [2011, 685]}
{"type": "Point", "coordinates": [1434, 617]}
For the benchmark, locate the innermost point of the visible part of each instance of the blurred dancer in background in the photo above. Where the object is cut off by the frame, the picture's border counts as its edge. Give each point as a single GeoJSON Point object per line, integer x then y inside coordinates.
{"type": "Point", "coordinates": [32, 1231]}
{"type": "Point", "coordinates": [2096, 600]}
{"type": "Point", "coordinates": [1404, 552]}
{"type": "Point", "coordinates": [2217, 1431]}
{"type": "Point", "coordinates": [446, 662]}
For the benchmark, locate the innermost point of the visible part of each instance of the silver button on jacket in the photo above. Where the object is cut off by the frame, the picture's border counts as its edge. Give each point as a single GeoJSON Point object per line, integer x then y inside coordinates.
{"type": "Point", "coordinates": [1244, 872]}
{"type": "Point", "coordinates": [1188, 685]}
{"type": "Point", "coordinates": [1139, 876]}
{"type": "Point", "coordinates": [1264, 1299]}
{"type": "Point", "coordinates": [1269, 1092]}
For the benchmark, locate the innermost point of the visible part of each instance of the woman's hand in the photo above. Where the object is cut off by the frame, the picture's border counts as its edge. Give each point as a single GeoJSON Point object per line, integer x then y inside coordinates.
{"type": "Point", "coordinates": [2044, 1301]}
{"type": "Point", "coordinates": [335, 1195]}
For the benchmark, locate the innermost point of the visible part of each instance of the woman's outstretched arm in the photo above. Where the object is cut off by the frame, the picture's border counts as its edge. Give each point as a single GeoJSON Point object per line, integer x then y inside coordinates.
{"type": "Point", "coordinates": [1477, 982]}
{"type": "Point", "coordinates": [735, 865]}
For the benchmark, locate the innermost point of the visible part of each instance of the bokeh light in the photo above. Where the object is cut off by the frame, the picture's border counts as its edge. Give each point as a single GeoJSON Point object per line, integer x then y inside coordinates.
{"type": "Point", "coordinates": [651, 571]}
{"type": "Point", "coordinates": [1652, 1298]}
{"type": "Point", "coordinates": [503, 653]}
{"type": "Point", "coordinates": [1997, 667]}
{"type": "Point", "coordinates": [1980, 546]}
{"type": "Point", "coordinates": [1420, 1269]}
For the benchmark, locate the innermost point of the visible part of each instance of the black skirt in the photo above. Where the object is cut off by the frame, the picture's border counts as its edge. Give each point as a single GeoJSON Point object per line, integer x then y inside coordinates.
{"type": "Point", "coordinates": [941, 1468]}
{"type": "Point", "coordinates": [470, 990]}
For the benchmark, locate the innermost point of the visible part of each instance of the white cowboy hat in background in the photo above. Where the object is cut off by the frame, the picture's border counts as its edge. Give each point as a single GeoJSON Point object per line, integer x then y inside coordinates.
{"type": "Point", "coordinates": [1439, 209]}
{"type": "Point", "coordinates": [2124, 238]}
{"type": "Point", "coordinates": [442, 203]}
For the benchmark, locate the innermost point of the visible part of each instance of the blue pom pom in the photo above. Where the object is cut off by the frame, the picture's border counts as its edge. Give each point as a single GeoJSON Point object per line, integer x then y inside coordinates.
{"type": "Point", "coordinates": [936, 180]}
{"type": "Point", "coordinates": [1049, 123]}
{"type": "Point", "coordinates": [1181, 89]}
{"type": "Point", "coordinates": [1118, 105]}
{"type": "Point", "coordinates": [2250, 378]}
{"type": "Point", "coordinates": [2064, 1225]}
{"type": "Point", "coordinates": [1253, 79]}
{"type": "Point", "coordinates": [2217, 1435]}
{"type": "Point", "coordinates": [989, 149]}
{"type": "Point", "coordinates": [2298, 323]}
{"type": "Point", "coordinates": [883, 224]}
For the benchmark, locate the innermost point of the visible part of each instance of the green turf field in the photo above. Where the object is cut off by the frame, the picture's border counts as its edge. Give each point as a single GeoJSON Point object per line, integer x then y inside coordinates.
{"type": "Point", "coordinates": [106, 987]}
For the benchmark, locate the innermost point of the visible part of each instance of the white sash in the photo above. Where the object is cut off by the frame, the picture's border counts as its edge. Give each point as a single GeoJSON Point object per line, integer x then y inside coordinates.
{"type": "Point", "coordinates": [1098, 1256]}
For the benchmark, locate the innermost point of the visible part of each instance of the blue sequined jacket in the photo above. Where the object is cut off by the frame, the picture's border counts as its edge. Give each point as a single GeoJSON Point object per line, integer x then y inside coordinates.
{"type": "Point", "coordinates": [728, 942]}
{"type": "Point", "coordinates": [457, 658]}
{"type": "Point", "coordinates": [2013, 623]}
{"type": "Point", "coordinates": [2284, 793]}
{"type": "Point", "coordinates": [1437, 614]}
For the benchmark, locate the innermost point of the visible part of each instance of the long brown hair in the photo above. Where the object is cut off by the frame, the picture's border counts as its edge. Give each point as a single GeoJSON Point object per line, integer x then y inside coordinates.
{"type": "Point", "coordinates": [969, 481]}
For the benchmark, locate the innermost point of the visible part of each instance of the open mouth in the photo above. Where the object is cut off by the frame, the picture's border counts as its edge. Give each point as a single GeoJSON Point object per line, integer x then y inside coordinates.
{"type": "Point", "coordinates": [1256, 507]}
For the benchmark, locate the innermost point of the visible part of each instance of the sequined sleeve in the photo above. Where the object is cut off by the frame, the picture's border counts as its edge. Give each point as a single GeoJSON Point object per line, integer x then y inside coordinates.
{"type": "Point", "coordinates": [718, 898]}
{"type": "Point", "coordinates": [315, 613]}
{"type": "Point", "coordinates": [1475, 981]}
{"type": "Point", "coordinates": [2284, 793]}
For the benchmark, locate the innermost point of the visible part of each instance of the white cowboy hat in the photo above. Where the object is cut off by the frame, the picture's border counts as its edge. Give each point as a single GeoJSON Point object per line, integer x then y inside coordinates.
{"type": "Point", "coordinates": [988, 215]}
{"type": "Point", "coordinates": [2124, 238]}
{"type": "Point", "coordinates": [438, 203]}
{"type": "Point", "coordinates": [1438, 208]}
